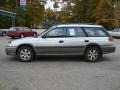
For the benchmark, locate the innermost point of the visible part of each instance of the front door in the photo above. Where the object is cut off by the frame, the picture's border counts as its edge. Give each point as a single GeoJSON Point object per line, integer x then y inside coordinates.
{"type": "Point", "coordinates": [53, 43]}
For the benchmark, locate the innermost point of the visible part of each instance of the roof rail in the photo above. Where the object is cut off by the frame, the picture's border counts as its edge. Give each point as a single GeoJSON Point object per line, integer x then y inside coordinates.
{"type": "Point", "coordinates": [77, 23]}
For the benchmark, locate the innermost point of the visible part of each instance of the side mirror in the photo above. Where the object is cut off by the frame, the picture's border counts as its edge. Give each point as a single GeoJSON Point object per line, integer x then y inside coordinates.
{"type": "Point", "coordinates": [44, 36]}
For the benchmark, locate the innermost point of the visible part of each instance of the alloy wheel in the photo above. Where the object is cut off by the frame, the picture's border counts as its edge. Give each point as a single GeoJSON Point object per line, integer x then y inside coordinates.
{"type": "Point", "coordinates": [92, 55]}
{"type": "Point", "coordinates": [25, 54]}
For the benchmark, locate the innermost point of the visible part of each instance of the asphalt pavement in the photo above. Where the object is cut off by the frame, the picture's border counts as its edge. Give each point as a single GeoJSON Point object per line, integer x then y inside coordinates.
{"type": "Point", "coordinates": [59, 73]}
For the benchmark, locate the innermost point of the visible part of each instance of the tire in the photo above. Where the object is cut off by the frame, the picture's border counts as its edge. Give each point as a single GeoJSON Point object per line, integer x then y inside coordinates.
{"type": "Point", "coordinates": [21, 36]}
{"type": "Point", "coordinates": [34, 34]}
{"type": "Point", "coordinates": [25, 54]}
{"type": "Point", "coordinates": [12, 37]}
{"type": "Point", "coordinates": [3, 34]}
{"type": "Point", "coordinates": [92, 54]}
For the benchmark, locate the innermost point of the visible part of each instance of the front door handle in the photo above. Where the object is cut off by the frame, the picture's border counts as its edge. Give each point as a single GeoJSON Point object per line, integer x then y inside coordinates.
{"type": "Point", "coordinates": [86, 41]}
{"type": "Point", "coordinates": [61, 41]}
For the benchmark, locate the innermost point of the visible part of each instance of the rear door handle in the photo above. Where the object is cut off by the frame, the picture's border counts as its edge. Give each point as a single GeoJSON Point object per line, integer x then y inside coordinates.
{"type": "Point", "coordinates": [86, 41]}
{"type": "Point", "coordinates": [61, 41]}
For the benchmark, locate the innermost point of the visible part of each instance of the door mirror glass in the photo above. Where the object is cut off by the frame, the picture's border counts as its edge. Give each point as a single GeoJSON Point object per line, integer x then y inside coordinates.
{"type": "Point", "coordinates": [44, 36]}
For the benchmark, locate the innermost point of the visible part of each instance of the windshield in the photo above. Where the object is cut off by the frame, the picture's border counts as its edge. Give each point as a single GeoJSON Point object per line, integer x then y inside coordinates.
{"type": "Point", "coordinates": [45, 31]}
{"type": "Point", "coordinates": [41, 33]}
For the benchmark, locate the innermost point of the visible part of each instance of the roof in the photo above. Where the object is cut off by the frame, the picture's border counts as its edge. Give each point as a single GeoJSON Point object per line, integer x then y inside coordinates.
{"type": "Point", "coordinates": [77, 25]}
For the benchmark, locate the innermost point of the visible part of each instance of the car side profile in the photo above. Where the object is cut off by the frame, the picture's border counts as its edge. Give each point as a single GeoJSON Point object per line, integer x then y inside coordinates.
{"type": "Point", "coordinates": [2, 32]}
{"type": "Point", "coordinates": [115, 32]}
{"type": "Point", "coordinates": [92, 41]}
{"type": "Point", "coordinates": [21, 32]}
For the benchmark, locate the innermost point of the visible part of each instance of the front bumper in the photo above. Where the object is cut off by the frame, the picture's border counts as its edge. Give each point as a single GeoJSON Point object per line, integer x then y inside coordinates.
{"type": "Point", "coordinates": [10, 50]}
{"type": "Point", "coordinates": [108, 49]}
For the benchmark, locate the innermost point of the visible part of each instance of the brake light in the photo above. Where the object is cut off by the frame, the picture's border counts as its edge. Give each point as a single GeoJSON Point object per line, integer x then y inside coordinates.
{"type": "Point", "coordinates": [111, 38]}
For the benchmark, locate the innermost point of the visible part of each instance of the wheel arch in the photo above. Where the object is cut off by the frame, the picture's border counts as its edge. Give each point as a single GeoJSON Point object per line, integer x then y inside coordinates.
{"type": "Point", "coordinates": [27, 45]}
{"type": "Point", "coordinates": [21, 33]}
{"type": "Point", "coordinates": [93, 45]}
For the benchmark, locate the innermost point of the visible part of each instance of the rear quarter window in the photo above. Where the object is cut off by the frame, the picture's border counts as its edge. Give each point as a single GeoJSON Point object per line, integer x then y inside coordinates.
{"type": "Point", "coordinates": [95, 32]}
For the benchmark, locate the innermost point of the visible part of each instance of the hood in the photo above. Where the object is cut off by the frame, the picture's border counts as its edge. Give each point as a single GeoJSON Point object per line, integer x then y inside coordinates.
{"type": "Point", "coordinates": [27, 40]}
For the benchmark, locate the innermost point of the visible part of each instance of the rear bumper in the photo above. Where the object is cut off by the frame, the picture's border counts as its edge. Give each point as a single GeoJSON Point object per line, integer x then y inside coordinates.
{"type": "Point", "coordinates": [11, 50]}
{"type": "Point", "coordinates": [108, 49]}
{"type": "Point", "coordinates": [1, 34]}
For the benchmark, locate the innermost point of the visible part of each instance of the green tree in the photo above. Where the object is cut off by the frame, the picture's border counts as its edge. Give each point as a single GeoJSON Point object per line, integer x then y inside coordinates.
{"type": "Point", "coordinates": [116, 18]}
{"type": "Point", "coordinates": [49, 15]}
{"type": "Point", "coordinates": [35, 12]}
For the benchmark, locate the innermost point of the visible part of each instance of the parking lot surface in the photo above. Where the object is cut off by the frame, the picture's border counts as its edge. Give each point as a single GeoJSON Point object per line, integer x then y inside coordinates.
{"type": "Point", "coordinates": [59, 73]}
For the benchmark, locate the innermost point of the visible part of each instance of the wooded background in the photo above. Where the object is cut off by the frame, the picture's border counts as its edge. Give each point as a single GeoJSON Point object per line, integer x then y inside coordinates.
{"type": "Point", "coordinates": [104, 12]}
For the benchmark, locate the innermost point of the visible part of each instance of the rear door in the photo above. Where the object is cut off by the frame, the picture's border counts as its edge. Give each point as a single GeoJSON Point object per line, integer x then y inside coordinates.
{"type": "Point", "coordinates": [76, 40]}
{"type": "Point", "coordinates": [27, 32]}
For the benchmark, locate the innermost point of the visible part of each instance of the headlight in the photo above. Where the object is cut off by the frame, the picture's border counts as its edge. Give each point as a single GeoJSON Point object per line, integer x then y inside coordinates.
{"type": "Point", "coordinates": [9, 44]}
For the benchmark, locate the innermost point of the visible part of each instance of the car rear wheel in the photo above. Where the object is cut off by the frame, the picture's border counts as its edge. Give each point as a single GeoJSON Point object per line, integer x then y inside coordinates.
{"type": "Point", "coordinates": [22, 36]}
{"type": "Point", "coordinates": [25, 54]}
{"type": "Point", "coordinates": [92, 54]}
{"type": "Point", "coordinates": [35, 35]}
{"type": "Point", "coordinates": [12, 37]}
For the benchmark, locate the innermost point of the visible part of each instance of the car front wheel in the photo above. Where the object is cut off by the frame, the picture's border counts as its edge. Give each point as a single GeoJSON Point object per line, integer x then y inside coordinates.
{"type": "Point", "coordinates": [92, 54]}
{"type": "Point", "coordinates": [4, 34]}
{"type": "Point", "coordinates": [25, 54]}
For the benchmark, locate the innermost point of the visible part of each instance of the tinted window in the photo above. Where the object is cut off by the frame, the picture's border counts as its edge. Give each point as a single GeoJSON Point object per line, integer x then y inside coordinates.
{"type": "Point", "coordinates": [95, 32]}
{"type": "Point", "coordinates": [26, 29]}
{"type": "Point", "coordinates": [115, 30]}
{"type": "Point", "coordinates": [57, 32]}
{"type": "Point", "coordinates": [80, 33]}
{"type": "Point", "coordinates": [75, 32]}
{"type": "Point", "coordinates": [14, 29]}
{"type": "Point", "coordinates": [71, 32]}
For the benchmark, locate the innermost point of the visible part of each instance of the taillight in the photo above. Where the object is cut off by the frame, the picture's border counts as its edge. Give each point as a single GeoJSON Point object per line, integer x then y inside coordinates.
{"type": "Point", "coordinates": [110, 38]}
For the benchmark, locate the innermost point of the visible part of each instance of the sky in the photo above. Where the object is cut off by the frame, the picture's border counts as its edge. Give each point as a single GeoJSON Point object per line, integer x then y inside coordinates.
{"type": "Point", "coordinates": [50, 4]}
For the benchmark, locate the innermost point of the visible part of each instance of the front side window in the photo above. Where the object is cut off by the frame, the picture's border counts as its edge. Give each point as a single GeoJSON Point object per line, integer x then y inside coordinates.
{"type": "Point", "coordinates": [95, 32]}
{"type": "Point", "coordinates": [14, 29]}
{"type": "Point", "coordinates": [57, 32]}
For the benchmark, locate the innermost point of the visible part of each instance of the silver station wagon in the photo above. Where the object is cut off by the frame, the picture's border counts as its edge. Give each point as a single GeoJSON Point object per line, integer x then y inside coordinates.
{"type": "Point", "coordinates": [91, 41]}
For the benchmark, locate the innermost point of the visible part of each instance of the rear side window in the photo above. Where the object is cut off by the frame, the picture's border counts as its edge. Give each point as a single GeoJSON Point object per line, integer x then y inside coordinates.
{"type": "Point", "coordinates": [75, 32]}
{"type": "Point", "coordinates": [80, 33]}
{"type": "Point", "coordinates": [16, 29]}
{"type": "Point", "coordinates": [26, 29]}
{"type": "Point", "coordinates": [95, 32]}
{"type": "Point", "coordinates": [115, 30]}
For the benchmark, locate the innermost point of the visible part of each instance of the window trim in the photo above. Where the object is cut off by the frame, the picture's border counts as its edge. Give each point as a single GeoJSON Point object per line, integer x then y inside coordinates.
{"type": "Point", "coordinates": [75, 29]}
{"type": "Point", "coordinates": [102, 29]}
{"type": "Point", "coordinates": [55, 36]}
